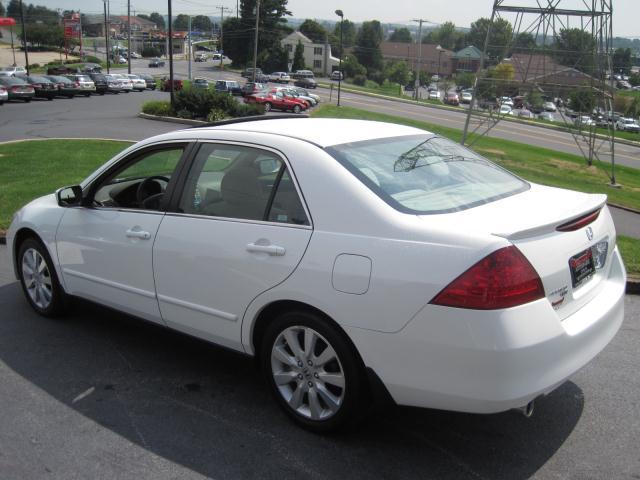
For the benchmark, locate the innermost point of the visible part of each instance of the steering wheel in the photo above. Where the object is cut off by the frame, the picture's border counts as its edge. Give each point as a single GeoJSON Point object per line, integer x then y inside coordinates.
{"type": "Point", "coordinates": [143, 197]}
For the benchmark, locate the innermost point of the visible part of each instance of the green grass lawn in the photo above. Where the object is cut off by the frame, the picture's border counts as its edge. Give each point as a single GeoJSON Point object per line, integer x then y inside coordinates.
{"type": "Point", "coordinates": [630, 249]}
{"type": "Point", "coordinates": [34, 168]}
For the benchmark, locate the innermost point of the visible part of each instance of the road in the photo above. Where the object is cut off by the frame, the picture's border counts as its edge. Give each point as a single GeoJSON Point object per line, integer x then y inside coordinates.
{"type": "Point", "coordinates": [102, 395]}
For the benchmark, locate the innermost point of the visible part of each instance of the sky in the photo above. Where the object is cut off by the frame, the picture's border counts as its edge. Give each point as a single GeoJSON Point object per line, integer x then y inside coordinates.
{"type": "Point", "coordinates": [462, 12]}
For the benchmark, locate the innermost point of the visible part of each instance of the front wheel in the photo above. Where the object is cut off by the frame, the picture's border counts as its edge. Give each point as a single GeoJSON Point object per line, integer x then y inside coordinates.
{"type": "Point", "coordinates": [267, 107]}
{"type": "Point", "coordinates": [296, 109]}
{"type": "Point", "coordinates": [39, 280]}
{"type": "Point", "coordinates": [313, 371]}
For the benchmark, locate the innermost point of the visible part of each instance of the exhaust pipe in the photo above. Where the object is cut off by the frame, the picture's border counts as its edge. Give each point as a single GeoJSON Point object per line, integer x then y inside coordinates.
{"type": "Point", "coordinates": [527, 410]}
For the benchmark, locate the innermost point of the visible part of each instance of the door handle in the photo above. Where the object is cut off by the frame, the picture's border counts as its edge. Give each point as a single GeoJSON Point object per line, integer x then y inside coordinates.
{"type": "Point", "coordinates": [138, 234]}
{"type": "Point", "coordinates": [272, 250]}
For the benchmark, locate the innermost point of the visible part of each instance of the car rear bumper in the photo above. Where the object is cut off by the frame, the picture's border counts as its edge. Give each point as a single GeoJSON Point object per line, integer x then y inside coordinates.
{"type": "Point", "coordinates": [491, 361]}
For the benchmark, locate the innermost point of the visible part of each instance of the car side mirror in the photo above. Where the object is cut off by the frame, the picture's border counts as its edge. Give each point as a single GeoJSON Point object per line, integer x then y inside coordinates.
{"type": "Point", "coordinates": [69, 196]}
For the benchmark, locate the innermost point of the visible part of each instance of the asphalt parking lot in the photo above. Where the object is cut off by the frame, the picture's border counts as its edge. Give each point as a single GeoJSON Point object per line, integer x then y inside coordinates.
{"type": "Point", "coordinates": [103, 395]}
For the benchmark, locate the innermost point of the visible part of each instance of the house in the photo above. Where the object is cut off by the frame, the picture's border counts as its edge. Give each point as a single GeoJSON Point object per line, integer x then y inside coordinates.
{"type": "Point", "coordinates": [433, 58]}
{"type": "Point", "coordinates": [317, 56]}
{"type": "Point", "coordinates": [467, 60]}
{"type": "Point", "coordinates": [543, 70]}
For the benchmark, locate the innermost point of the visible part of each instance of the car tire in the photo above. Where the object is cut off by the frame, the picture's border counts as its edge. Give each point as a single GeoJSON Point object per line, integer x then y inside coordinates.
{"type": "Point", "coordinates": [39, 279]}
{"type": "Point", "coordinates": [70, 96]}
{"type": "Point", "coordinates": [27, 100]}
{"type": "Point", "coordinates": [319, 382]}
{"type": "Point", "coordinates": [297, 109]}
{"type": "Point", "coordinates": [267, 107]}
{"type": "Point", "coordinates": [49, 98]}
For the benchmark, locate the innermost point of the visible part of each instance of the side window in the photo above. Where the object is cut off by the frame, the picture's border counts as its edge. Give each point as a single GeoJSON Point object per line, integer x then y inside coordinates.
{"type": "Point", "coordinates": [238, 182]}
{"type": "Point", "coordinates": [140, 184]}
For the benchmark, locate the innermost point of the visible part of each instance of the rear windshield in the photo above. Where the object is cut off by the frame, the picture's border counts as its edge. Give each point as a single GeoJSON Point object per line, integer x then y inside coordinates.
{"type": "Point", "coordinates": [426, 174]}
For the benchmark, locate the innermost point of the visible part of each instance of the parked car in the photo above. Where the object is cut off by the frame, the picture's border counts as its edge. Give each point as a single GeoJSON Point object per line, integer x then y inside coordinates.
{"type": "Point", "coordinates": [434, 95]}
{"type": "Point", "coordinates": [228, 86]}
{"type": "Point", "coordinates": [466, 97]}
{"type": "Point", "coordinates": [200, 57]}
{"type": "Point", "coordinates": [17, 88]}
{"type": "Point", "coordinates": [114, 84]}
{"type": "Point", "coordinates": [91, 68]}
{"type": "Point", "coordinates": [505, 110]}
{"type": "Point", "coordinates": [276, 101]}
{"type": "Point", "coordinates": [66, 88]}
{"type": "Point", "coordinates": [523, 113]}
{"type": "Point", "coordinates": [84, 84]}
{"type": "Point", "coordinates": [4, 95]}
{"type": "Point", "coordinates": [248, 73]}
{"type": "Point", "coordinates": [291, 93]}
{"type": "Point", "coordinates": [177, 85]}
{"type": "Point", "coordinates": [138, 83]}
{"type": "Point", "coordinates": [583, 121]}
{"type": "Point", "coordinates": [12, 71]}
{"type": "Point", "coordinates": [336, 75]}
{"type": "Point", "coordinates": [216, 58]}
{"type": "Point", "coordinates": [101, 83]}
{"type": "Point", "coordinates": [43, 87]}
{"type": "Point", "coordinates": [548, 116]}
{"type": "Point", "coordinates": [135, 55]}
{"type": "Point", "coordinates": [627, 125]}
{"type": "Point", "coordinates": [394, 260]}
{"type": "Point", "coordinates": [305, 93]}
{"type": "Point", "coordinates": [201, 83]}
{"type": "Point", "coordinates": [549, 107]}
{"type": "Point", "coordinates": [279, 77]}
{"type": "Point", "coordinates": [302, 74]}
{"type": "Point", "coordinates": [150, 81]}
{"type": "Point", "coordinates": [156, 62]}
{"type": "Point", "coordinates": [126, 85]}
{"type": "Point", "coordinates": [506, 101]}
{"type": "Point", "coordinates": [305, 82]}
{"type": "Point", "coordinates": [451, 98]}
{"type": "Point", "coordinates": [252, 87]}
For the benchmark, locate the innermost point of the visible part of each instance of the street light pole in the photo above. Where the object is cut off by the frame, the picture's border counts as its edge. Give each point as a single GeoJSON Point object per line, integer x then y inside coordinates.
{"type": "Point", "coordinates": [255, 45]}
{"type": "Point", "coordinates": [170, 53]}
{"type": "Point", "coordinates": [129, 36]}
{"type": "Point", "coordinates": [439, 48]}
{"type": "Point", "coordinates": [24, 38]}
{"type": "Point", "coordinates": [419, 64]}
{"type": "Point", "coordinates": [341, 15]}
{"type": "Point", "coordinates": [13, 50]}
{"type": "Point", "coordinates": [106, 35]}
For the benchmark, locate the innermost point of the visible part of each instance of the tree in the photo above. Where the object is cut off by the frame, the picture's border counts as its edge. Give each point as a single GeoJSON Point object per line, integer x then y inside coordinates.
{"type": "Point", "coordinates": [349, 32]}
{"type": "Point", "coordinates": [524, 41]}
{"type": "Point", "coordinates": [575, 48]}
{"type": "Point", "coordinates": [368, 41]}
{"type": "Point", "coordinates": [158, 19]}
{"type": "Point", "coordinates": [503, 72]}
{"type": "Point", "coordinates": [465, 80]}
{"type": "Point", "coordinates": [298, 57]}
{"type": "Point", "coordinates": [274, 60]}
{"type": "Point", "coordinates": [13, 9]}
{"type": "Point", "coordinates": [201, 23]}
{"type": "Point", "coordinates": [446, 36]}
{"type": "Point", "coordinates": [2, 10]}
{"type": "Point", "coordinates": [582, 100]}
{"type": "Point", "coordinates": [402, 35]}
{"type": "Point", "coordinates": [499, 39]}
{"type": "Point", "coordinates": [351, 67]}
{"type": "Point", "coordinates": [241, 31]}
{"type": "Point", "coordinates": [313, 31]}
{"type": "Point", "coordinates": [622, 61]}
{"type": "Point", "coordinates": [398, 72]}
{"type": "Point", "coordinates": [40, 14]}
{"type": "Point", "coordinates": [181, 22]}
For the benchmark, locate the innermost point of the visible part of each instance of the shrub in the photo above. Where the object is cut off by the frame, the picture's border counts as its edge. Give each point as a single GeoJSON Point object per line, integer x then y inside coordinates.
{"type": "Point", "coordinates": [92, 59]}
{"type": "Point", "coordinates": [157, 107]}
{"type": "Point", "coordinates": [34, 65]}
{"type": "Point", "coordinates": [360, 80]}
{"type": "Point", "coordinates": [184, 113]}
{"type": "Point", "coordinates": [201, 102]}
{"type": "Point", "coordinates": [247, 110]}
{"type": "Point", "coordinates": [215, 115]}
{"type": "Point", "coordinates": [150, 52]}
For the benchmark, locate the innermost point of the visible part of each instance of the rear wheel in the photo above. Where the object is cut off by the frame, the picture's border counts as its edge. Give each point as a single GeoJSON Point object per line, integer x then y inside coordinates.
{"type": "Point", "coordinates": [296, 109]}
{"type": "Point", "coordinates": [267, 107]}
{"type": "Point", "coordinates": [313, 371]}
{"type": "Point", "coordinates": [39, 280]}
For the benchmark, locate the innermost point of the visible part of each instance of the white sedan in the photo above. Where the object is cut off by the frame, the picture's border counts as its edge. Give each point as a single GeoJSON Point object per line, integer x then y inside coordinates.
{"type": "Point", "coordinates": [348, 256]}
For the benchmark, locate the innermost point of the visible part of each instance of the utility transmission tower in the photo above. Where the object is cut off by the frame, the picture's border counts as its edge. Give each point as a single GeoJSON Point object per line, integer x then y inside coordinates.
{"type": "Point", "coordinates": [546, 67]}
{"type": "Point", "coordinates": [221, 49]}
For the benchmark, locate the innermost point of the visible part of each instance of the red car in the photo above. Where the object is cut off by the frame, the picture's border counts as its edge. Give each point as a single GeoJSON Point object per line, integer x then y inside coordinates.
{"type": "Point", "coordinates": [177, 85]}
{"type": "Point", "coordinates": [276, 100]}
{"type": "Point", "coordinates": [452, 98]}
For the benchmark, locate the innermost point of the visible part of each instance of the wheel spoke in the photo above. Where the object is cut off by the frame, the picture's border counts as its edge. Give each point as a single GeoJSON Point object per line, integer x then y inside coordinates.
{"type": "Point", "coordinates": [292, 341]}
{"type": "Point", "coordinates": [326, 356]}
{"type": "Point", "coordinates": [314, 404]}
{"type": "Point", "coordinates": [332, 402]}
{"type": "Point", "coordinates": [45, 294]}
{"type": "Point", "coordinates": [310, 339]}
{"type": "Point", "coordinates": [336, 379]}
{"type": "Point", "coordinates": [283, 357]}
{"type": "Point", "coordinates": [47, 280]}
{"type": "Point", "coordinates": [26, 268]}
{"type": "Point", "coordinates": [284, 378]}
{"type": "Point", "coordinates": [42, 265]}
{"type": "Point", "coordinates": [296, 399]}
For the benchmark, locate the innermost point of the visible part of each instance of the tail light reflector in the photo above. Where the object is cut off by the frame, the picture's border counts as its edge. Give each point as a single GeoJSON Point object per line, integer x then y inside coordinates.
{"type": "Point", "coordinates": [502, 279]}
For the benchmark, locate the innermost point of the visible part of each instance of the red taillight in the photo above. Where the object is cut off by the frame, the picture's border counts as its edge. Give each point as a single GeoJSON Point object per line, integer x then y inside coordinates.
{"type": "Point", "coordinates": [77, 84]}
{"type": "Point", "coordinates": [503, 279]}
{"type": "Point", "coordinates": [578, 223]}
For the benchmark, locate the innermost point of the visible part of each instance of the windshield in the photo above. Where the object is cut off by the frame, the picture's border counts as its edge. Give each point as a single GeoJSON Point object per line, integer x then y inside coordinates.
{"type": "Point", "coordinates": [425, 174]}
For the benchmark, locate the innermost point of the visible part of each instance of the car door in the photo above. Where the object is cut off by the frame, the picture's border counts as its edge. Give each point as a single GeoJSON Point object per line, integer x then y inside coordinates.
{"type": "Point", "coordinates": [238, 228]}
{"type": "Point", "coordinates": [105, 248]}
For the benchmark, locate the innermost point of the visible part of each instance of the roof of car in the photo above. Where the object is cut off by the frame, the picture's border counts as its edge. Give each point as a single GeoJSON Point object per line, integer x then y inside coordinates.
{"type": "Point", "coordinates": [323, 132]}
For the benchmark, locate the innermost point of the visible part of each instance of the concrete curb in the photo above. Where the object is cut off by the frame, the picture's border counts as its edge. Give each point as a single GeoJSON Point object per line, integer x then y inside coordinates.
{"type": "Point", "coordinates": [183, 121]}
{"type": "Point", "coordinates": [557, 128]}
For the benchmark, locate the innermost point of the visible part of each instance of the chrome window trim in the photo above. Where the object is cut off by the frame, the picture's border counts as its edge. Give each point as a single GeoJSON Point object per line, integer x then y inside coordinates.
{"type": "Point", "coordinates": [238, 220]}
